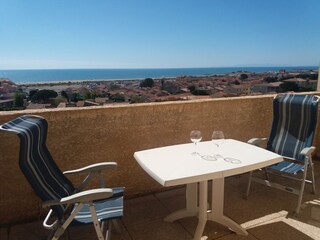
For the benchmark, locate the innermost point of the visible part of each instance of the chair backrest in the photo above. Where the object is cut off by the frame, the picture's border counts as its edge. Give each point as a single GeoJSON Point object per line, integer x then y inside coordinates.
{"type": "Point", "coordinates": [294, 124]}
{"type": "Point", "coordinates": [36, 162]}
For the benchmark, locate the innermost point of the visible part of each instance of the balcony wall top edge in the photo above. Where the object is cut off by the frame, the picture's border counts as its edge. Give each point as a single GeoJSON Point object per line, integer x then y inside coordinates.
{"type": "Point", "coordinates": [127, 105]}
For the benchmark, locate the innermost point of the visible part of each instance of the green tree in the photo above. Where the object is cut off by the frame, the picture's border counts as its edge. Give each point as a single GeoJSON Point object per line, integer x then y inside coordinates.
{"type": "Point", "coordinates": [65, 95]}
{"type": "Point", "coordinates": [201, 92]}
{"type": "Point", "coordinates": [148, 82]}
{"type": "Point", "coordinates": [236, 82]}
{"type": "Point", "coordinates": [271, 79]}
{"type": "Point", "coordinates": [76, 97]}
{"type": "Point", "coordinates": [44, 95]}
{"type": "Point", "coordinates": [191, 88]}
{"type": "Point", "coordinates": [114, 86]}
{"type": "Point", "coordinates": [312, 76]}
{"type": "Point", "coordinates": [171, 87]}
{"type": "Point", "coordinates": [137, 99]}
{"type": "Point", "coordinates": [289, 86]}
{"type": "Point", "coordinates": [162, 81]}
{"type": "Point", "coordinates": [118, 97]}
{"type": "Point", "coordinates": [32, 93]}
{"type": "Point", "coordinates": [58, 100]}
{"type": "Point", "coordinates": [18, 99]}
{"type": "Point", "coordinates": [87, 95]}
{"type": "Point", "coordinates": [243, 76]}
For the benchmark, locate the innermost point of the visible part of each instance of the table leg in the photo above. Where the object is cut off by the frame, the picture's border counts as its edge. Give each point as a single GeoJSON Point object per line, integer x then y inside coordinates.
{"type": "Point", "coordinates": [191, 204]}
{"type": "Point", "coordinates": [217, 208]}
{"type": "Point", "coordinates": [217, 203]}
{"type": "Point", "coordinates": [202, 216]}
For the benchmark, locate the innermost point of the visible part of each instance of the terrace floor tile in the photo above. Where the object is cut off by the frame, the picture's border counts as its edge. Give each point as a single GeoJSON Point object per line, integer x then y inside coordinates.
{"type": "Point", "coordinates": [266, 214]}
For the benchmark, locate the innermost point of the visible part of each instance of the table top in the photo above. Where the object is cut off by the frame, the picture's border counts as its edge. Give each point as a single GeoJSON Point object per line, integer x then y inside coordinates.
{"type": "Point", "coordinates": [175, 165]}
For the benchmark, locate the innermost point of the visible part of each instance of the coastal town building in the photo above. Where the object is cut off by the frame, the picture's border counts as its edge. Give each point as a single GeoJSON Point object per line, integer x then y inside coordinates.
{"type": "Point", "coordinates": [80, 104]}
{"type": "Point", "coordinates": [82, 94]}
{"type": "Point", "coordinates": [38, 105]}
{"type": "Point", "coordinates": [6, 103]}
{"type": "Point", "coordinates": [267, 87]}
{"type": "Point", "coordinates": [62, 105]}
{"type": "Point", "coordinates": [244, 89]}
{"type": "Point", "coordinates": [299, 81]}
{"type": "Point", "coordinates": [101, 100]}
{"type": "Point", "coordinates": [7, 86]}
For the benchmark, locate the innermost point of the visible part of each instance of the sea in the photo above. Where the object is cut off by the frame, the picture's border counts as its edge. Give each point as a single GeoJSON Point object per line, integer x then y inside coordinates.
{"type": "Point", "coordinates": [65, 75]}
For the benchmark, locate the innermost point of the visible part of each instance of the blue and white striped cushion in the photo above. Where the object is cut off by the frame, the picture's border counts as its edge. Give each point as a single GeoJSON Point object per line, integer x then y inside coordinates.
{"type": "Point", "coordinates": [45, 177]}
{"type": "Point", "coordinates": [35, 161]}
{"type": "Point", "coordinates": [288, 167]}
{"type": "Point", "coordinates": [109, 209]}
{"type": "Point", "coordinates": [294, 123]}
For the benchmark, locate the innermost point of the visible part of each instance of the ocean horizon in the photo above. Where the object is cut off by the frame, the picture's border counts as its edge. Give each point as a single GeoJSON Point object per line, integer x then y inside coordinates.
{"type": "Point", "coordinates": [65, 75]}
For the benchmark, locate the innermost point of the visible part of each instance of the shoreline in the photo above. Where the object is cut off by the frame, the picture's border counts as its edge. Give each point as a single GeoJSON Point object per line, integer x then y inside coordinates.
{"type": "Point", "coordinates": [66, 82]}
{"type": "Point", "coordinates": [36, 79]}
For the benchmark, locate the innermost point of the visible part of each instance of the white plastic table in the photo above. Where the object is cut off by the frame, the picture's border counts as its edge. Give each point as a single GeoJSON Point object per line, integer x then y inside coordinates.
{"type": "Point", "coordinates": [175, 165]}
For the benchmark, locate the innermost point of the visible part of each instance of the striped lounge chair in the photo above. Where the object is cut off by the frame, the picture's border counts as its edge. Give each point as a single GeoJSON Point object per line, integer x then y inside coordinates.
{"type": "Point", "coordinates": [67, 204]}
{"type": "Point", "coordinates": [292, 132]}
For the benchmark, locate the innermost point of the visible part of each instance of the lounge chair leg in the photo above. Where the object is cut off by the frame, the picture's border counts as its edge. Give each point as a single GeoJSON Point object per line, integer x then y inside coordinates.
{"type": "Point", "coordinates": [108, 232]}
{"type": "Point", "coordinates": [249, 184]}
{"type": "Point", "coordinates": [313, 178]}
{"type": "Point", "coordinates": [303, 183]}
{"type": "Point", "coordinates": [300, 198]}
{"type": "Point", "coordinates": [62, 227]}
{"type": "Point", "coordinates": [57, 233]}
{"type": "Point", "coordinates": [95, 221]}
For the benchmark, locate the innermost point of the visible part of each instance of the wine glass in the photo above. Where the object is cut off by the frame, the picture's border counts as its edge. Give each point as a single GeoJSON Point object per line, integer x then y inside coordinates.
{"type": "Point", "coordinates": [195, 136]}
{"type": "Point", "coordinates": [217, 138]}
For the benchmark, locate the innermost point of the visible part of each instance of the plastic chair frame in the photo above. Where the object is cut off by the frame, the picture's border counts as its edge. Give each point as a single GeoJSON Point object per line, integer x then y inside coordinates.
{"type": "Point", "coordinates": [307, 152]}
{"type": "Point", "coordinates": [95, 170]}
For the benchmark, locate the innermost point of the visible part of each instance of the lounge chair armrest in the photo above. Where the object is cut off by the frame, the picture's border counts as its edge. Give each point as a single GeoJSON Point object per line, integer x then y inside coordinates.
{"type": "Point", "coordinates": [92, 168]}
{"type": "Point", "coordinates": [308, 151]}
{"type": "Point", "coordinates": [84, 197]}
{"type": "Point", "coordinates": [257, 141]}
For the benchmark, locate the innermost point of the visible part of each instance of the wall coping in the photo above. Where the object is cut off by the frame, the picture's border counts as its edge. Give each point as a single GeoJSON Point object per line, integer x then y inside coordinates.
{"type": "Point", "coordinates": [127, 105]}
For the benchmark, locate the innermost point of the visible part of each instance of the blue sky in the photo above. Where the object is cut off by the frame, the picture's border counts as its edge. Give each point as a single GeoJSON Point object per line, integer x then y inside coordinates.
{"type": "Point", "coordinates": [158, 33]}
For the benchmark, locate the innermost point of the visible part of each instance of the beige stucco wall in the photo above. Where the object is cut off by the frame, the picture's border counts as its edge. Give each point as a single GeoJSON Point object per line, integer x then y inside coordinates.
{"type": "Point", "coordinates": [78, 137]}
